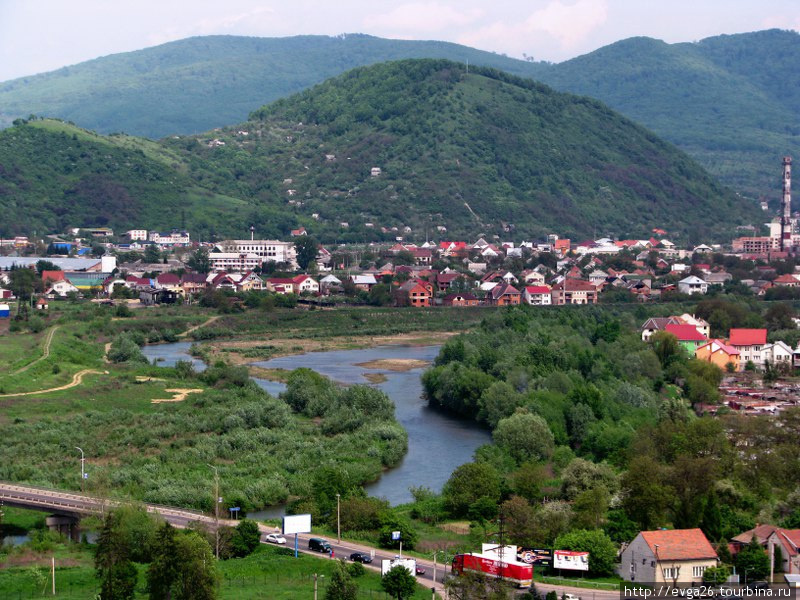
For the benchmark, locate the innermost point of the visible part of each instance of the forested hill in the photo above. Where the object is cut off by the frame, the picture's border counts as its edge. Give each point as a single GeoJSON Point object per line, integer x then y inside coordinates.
{"type": "Point", "coordinates": [471, 150]}
{"type": "Point", "coordinates": [199, 83]}
{"type": "Point", "coordinates": [732, 101]}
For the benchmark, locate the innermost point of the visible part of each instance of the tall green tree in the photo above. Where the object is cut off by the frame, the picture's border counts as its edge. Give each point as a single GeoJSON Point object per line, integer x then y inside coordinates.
{"type": "Point", "coordinates": [198, 578]}
{"type": "Point", "coordinates": [341, 586]}
{"type": "Point", "coordinates": [113, 564]}
{"type": "Point", "coordinates": [199, 261]}
{"type": "Point", "coordinates": [752, 561]}
{"type": "Point", "coordinates": [246, 538]}
{"type": "Point", "coordinates": [152, 254]}
{"type": "Point", "coordinates": [525, 436]}
{"type": "Point", "coordinates": [163, 571]}
{"type": "Point", "coordinates": [306, 249]}
{"type": "Point", "coordinates": [399, 583]}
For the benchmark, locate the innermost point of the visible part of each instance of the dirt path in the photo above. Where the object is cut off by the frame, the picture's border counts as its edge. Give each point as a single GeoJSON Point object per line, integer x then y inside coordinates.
{"type": "Point", "coordinates": [196, 327]}
{"type": "Point", "coordinates": [77, 379]}
{"type": "Point", "coordinates": [47, 341]}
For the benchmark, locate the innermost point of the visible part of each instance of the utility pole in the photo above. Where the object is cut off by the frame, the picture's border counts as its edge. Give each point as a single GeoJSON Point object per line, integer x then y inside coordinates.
{"type": "Point", "coordinates": [338, 521]}
{"type": "Point", "coordinates": [216, 509]}
{"type": "Point", "coordinates": [83, 471]}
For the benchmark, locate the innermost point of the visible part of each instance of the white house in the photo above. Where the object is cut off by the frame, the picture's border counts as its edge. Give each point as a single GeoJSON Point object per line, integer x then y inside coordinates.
{"type": "Point", "coordinates": [677, 556]}
{"type": "Point", "coordinates": [306, 284]}
{"type": "Point", "coordinates": [776, 354]}
{"type": "Point", "coordinates": [692, 285]}
{"type": "Point", "coordinates": [61, 289]}
{"type": "Point", "coordinates": [538, 295]}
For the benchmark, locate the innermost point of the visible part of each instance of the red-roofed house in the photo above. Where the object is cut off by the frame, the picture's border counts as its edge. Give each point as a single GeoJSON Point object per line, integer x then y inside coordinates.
{"type": "Point", "coordinates": [49, 277]}
{"type": "Point", "coordinates": [463, 299]}
{"type": "Point", "coordinates": [668, 556]}
{"type": "Point", "coordinates": [687, 335]}
{"type": "Point", "coordinates": [718, 353]}
{"type": "Point", "coordinates": [749, 343]}
{"type": "Point", "coordinates": [306, 284]}
{"type": "Point", "coordinates": [503, 294]}
{"type": "Point", "coordinates": [789, 542]}
{"type": "Point", "coordinates": [537, 294]}
{"type": "Point", "coordinates": [413, 293]}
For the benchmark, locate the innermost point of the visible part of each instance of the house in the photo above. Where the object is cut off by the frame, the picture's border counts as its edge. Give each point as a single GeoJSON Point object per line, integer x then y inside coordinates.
{"type": "Point", "coordinates": [656, 324]}
{"type": "Point", "coordinates": [193, 283]}
{"type": "Point", "coordinates": [169, 281]}
{"type": "Point", "coordinates": [532, 277]}
{"type": "Point", "coordinates": [719, 353]}
{"type": "Point", "coordinates": [573, 291]}
{"type": "Point", "coordinates": [445, 280]}
{"type": "Point", "coordinates": [60, 289]}
{"type": "Point", "coordinates": [700, 324]}
{"type": "Point", "coordinates": [465, 299]}
{"type": "Point", "coordinates": [41, 304]}
{"type": "Point", "coordinates": [777, 354]}
{"type": "Point", "coordinates": [363, 282]}
{"type": "Point", "coordinates": [687, 335]}
{"type": "Point", "coordinates": [749, 343]}
{"type": "Point", "coordinates": [787, 540]}
{"type": "Point", "coordinates": [538, 295]}
{"type": "Point", "coordinates": [422, 256]}
{"type": "Point", "coordinates": [150, 296]}
{"type": "Point", "coordinates": [298, 232]}
{"type": "Point", "coordinates": [330, 283]}
{"type": "Point", "coordinates": [668, 556]}
{"type": "Point", "coordinates": [413, 293]}
{"type": "Point", "coordinates": [280, 285]}
{"type": "Point", "coordinates": [306, 285]}
{"type": "Point", "coordinates": [692, 285]}
{"type": "Point", "coordinates": [247, 281]}
{"type": "Point", "coordinates": [221, 281]}
{"type": "Point", "coordinates": [787, 280]}
{"type": "Point", "coordinates": [504, 294]}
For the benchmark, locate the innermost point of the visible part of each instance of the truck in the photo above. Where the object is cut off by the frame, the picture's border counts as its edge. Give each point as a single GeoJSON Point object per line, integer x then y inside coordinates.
{"type": "Point", "coordinates": [408, 563]}
{"type": "Point", "coordinates": [512, 571]}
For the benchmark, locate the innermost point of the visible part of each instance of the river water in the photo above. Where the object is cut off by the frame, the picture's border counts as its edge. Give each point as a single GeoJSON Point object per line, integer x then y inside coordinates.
{"type": "Point", "coordinates": [437, 442]}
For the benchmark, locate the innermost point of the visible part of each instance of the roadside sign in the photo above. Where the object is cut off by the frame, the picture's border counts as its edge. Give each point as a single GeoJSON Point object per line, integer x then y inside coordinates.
{"type": "Point", "coordinates": [395, 535]}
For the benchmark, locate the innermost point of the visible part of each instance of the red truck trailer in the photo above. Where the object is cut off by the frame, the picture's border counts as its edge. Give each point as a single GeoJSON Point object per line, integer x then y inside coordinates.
{"type": "Point", "coordinates": [512, 571]}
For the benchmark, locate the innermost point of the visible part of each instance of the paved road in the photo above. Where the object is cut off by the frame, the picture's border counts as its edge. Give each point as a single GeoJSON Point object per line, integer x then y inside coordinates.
{"type": "Point", "coordinates": [75, 504]}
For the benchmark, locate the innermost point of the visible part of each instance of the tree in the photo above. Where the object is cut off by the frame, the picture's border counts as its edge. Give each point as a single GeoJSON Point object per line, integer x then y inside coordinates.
{"type": "Point", "coordinates": [306, 249]}
{"type": "Point", "coordinates": [198, 577]}
{"type": "Point", "coordinates": [163, 571]}
{"type": "Point", "coordinates": [399, 583]}
{"type": "Point", "coordinates": [152, 254]}
{"type": "Point", "coordinates": [602, 550]}
{"type": "Point", "coordinates": [341, 586]}
{"type": "Point", "coordinates": [645, 494]}
{"type": "Point", "coordinates": [246, 538]}
{"type": "Point", "coordinates": [666, 347]}
{"type": "Point", "coordinates": [752, 561]}
{"type": "Point", "coordinates": [526, 437]}
{"type": "Point", "coordinates": [468, 484]}
{"type": "Point", "coordinates": [519, 520]}
{"type": "Point", "coordinates": [581, 475]}
{"type": "Point", "coordinates": [46, 265]}
{"type": "Point", "coordinates": [113, 565]}
{"type": "Point", "coordinates": [199, 261]}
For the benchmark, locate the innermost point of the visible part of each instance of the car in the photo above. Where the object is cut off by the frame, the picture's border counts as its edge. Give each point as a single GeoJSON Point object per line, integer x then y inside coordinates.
{"type": "Point", "coordinates": [570, 597]}
{"type": "Point", "coordinates": [420, 570]}
{"type": "Point", "coordinates": [319, 545]}
{"type": "Point", "coordinates": [274, 538]}
{"type": "Point", "coordinates": [361, 557]}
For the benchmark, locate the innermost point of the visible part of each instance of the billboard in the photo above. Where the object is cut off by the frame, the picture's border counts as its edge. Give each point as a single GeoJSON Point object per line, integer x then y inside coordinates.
{"type": "Point", "coordinates": [296, 524]}
{"type": "Point", "coordinates": [535, 556]}
{"type": "Point", "coordinates": [575, 561]}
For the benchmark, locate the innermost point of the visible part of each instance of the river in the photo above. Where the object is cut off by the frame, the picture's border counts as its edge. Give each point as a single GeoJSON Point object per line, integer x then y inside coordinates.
{"type": "Point", "coordinates": [437, 442]}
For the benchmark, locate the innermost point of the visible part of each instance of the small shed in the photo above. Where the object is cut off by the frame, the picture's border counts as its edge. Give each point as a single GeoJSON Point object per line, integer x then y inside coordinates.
{"type": "Point", "coordinates": [5, 311]}
{"type": "Point", "coordinates": [41, 304]}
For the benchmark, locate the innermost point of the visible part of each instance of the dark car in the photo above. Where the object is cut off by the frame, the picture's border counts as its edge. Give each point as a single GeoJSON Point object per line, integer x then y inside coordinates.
{"type": "Point", "coordinates": [361, 557]}
{"type": "Point", "coordinates": [319, 545]}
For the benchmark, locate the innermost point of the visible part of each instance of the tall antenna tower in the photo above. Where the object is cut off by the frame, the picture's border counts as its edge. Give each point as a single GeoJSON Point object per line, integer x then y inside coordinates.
{"type": "Point", "coordinates": [786, 205]}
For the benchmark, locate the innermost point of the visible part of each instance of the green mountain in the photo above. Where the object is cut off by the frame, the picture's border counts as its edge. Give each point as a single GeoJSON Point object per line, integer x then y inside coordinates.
{"type": "Point", "coordinates": [196, 84]}
{"type": "Point", "coordinates": [473, 150]}
{"type": "Point", "coordinates": [732, 102]}
{"type": "Point", "coordinates": [54, 176]}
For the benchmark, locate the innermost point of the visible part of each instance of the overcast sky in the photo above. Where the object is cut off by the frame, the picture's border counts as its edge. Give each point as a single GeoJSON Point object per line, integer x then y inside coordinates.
{"type": "Point", "coordinates": [42, 35]}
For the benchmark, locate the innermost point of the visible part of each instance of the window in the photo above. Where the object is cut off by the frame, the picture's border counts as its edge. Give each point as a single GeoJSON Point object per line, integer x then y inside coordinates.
{"type": "Point", "coordinates": [698, 571]}
{"type": "Point", "coordinates": [670, 573]}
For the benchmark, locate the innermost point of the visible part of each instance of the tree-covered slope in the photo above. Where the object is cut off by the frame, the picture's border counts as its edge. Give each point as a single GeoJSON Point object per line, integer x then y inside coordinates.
{"type": "Point", "coordinates": [469, 150]}
{"type": "Point", "coordinates": [196, 84]}
{"type": "Point", "coordinates": [54, 175]}
{"type": "Point", "coordinates": [732, 102]}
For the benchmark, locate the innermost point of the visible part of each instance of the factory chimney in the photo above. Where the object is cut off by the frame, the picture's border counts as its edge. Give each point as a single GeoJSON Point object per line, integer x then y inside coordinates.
{"type": "Point", "coordinates": [786, 205]}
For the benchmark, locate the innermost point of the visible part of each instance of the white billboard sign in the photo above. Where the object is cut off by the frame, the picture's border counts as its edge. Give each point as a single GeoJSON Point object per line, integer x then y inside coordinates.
{"type": "Point", "coordinates": [296, 524]}
{"type": "Point", "coordinates": [575, 561]}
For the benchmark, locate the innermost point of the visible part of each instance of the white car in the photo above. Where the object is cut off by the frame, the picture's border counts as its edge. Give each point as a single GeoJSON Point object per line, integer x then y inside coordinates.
{"type": "Point", "coordinates": [570, 597]}
{"type": "Point", "coordinates": [274, 538]}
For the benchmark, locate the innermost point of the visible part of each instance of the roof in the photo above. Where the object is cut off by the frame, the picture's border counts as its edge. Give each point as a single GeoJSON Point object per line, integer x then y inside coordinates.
{"type": "Point", "coordinates": [679, 544]}
{"type": "Point", "coordinates": [537, 289]}
{"type": "Point", "coordinates": [659, 323]}
{"type": "Point", "coordinates": [503, 289]}
{"type": "Point", "coordinates": [748, 337]}
{"type": "Point", "coordinates": [685, 333]}
{"type": "Point", "coordinates": [53, 276]}
{"type": "Point", "coordinates": [717, 345]}
{"type": "Point", "coordinates": [762, 532]}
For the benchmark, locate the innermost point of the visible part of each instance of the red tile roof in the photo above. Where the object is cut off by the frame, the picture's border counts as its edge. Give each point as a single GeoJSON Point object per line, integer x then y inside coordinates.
{"type": "Point", "coordinates": [679, 544]}
{"type": "Point", "coordinates": [748, 337]}
{"type": "Point", "coordinates": [685, 333]}
{"type": "Point", "coordinates": [53, 276]}
{"type": "Point", "coordinates": [537, 289]}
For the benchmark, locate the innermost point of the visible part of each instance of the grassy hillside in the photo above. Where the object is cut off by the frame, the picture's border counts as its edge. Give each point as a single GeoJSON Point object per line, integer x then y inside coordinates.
{"type": "Point", "coordinates": [471, 151]}
{"type": "Point", "coordinates": [196, 84]}
{"type": "Point", "coordinates": [54, 175]}
{"type": "Point", "coordinates": [732, 102]}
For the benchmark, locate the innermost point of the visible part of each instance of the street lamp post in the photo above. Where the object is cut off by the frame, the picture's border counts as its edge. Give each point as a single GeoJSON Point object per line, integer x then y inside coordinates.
{"type": "Point", "coordinates": [338, 521]}
{"type": "Point", "coordinates": [83, 471]}
{"type": "Point", "coordinates": [216, 509]}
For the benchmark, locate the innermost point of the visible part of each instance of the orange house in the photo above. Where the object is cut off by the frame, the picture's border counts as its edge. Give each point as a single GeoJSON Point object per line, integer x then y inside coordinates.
{"type": "Point", "coordinates": [719, 353]}
{"type": "Point", "coordinates": [413, 293]}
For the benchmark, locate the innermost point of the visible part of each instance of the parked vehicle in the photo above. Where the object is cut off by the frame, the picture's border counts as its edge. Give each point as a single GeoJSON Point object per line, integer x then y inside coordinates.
{"type": "Point", "coordinates": [361, 557]}
{"type": "Point", "coordinates": [319, 545]}
{"type": "Point", "coordinates": [274, 538]}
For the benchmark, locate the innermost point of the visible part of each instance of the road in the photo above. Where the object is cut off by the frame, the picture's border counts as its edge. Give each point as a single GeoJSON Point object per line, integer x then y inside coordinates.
{"type": "Point", "coordinates": [75, 504]}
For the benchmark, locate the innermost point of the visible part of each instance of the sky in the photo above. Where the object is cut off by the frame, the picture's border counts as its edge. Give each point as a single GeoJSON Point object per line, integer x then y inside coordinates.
{"type": "Point", "coordinates": [43, 35]}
